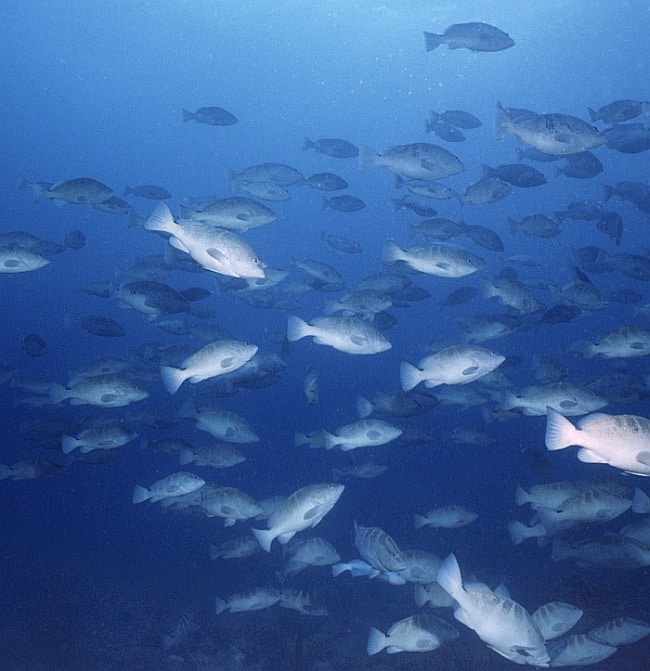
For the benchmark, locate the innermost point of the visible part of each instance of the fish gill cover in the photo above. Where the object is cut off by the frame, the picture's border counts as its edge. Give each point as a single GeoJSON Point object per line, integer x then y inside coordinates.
{"type": "Point", "coordinates": [323, 339]}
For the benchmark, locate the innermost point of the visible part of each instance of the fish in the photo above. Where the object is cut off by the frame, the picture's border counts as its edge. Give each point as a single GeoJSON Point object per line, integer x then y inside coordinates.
{"type": "Point", "coordinates": [622, 441]}
{"type": "Point", "coordinates": [34, 345]}
{"type": "Point", "coordinates": [236, 213]}
{"type": "Point", "coordinates": [98, 325]}
{"type": "Point", "coordinates": [419, 633]}
{"type": "Point", "coordinates": [439, 260]}
{"type": "Point", "coordinates": [176, 484]}
{"type": "Point", "coordinates": [334, 147]}
{"type": "Point", "coordinates": [378, 549]}
{"type": "Point", "coordinates": [242, 602]}
{"type": "Point", "coordinates": [106, 391]}
{"type": "Point", "coordinates": [230, 503]}
{"type": "Point", "coordinates": [620, 631]}
{"type": "Point", "coordinates": [536, 225]}
{"type": "Point", "coordinates": [214, 249]}
{"type": "Point", "coordinates": [474, 36]}
{"type": "Point", "coordinates": [555, 134]}
{"type": "Point", "coordinates": [445, 517]}
{"type": "Point", "coordinates": [213, 116]}
{"type": "Point", "coordinates": [149, 191]}
{"type": "Point", "coordinates": [517, 174]}
{"type": "Point", "coordinates": [578, 649]}
{"type": "Point", "coordinates": [103, 437]}
{"type": "Point", "coordinates": [302, 553]}
{"type": "Point", "coordinates": [459, 118]}
{"type": "Point", "coordinates": [30, 469]}
{"type": "Point", "coordinates": [17, 259]}
{"type": "Point", "coordinates": [235, 548]}
{"type": "Point", "coordinates": [279, 173]}
{"type": "Point", "coordinates": [439, 228]}
{"type": "Point", "coordinates": [566, 398]}
{"type": "Point", "coordinates": [512, 294]}
{"type": "Point", "coordinates": [485, 191]}
{"type": "Point", "coordinates": [303, 509]}
{"type": "Point", "coordinates": [345, 203]}
{"type": "Point", "coordinates": [363, 433]}
{"type": "Point", "coordinates": [484, 236]}
{"type": "Point", "coordinates": [324, 181]}
{"type": "Point", "coordinates": [77, 191]}
{"type": "Point", "coordinates": [623, 343]}
{"type": "Point", "coordinates": [341, 244]}
{"type": "Point", "coordinates": [151, 298]}
{"type": "Point", "coordinates": [503, 624]}
{"type": "Point", "coordinates": [458, 364]}
{"type": "Point", "coordinates": [617, 111]}
{"type": "Point", "coordinates": [215, 456]}
{"type": "Point", "coordinates": [217, 358]}
{"type": "Point", "coordinates": [414, 161]}
{"type": "Point", "coordinates": [345, 334]}
{"type": "Point", "coordinates": [581, 166]}
{"type": "Point", "coordinates": [221, 424]}
{"type": "Point", "coordinates": [310, 386]}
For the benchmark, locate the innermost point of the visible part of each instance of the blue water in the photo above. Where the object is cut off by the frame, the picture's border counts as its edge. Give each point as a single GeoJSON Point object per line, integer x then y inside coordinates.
{"type": "Point", "coordinates": [91, 581]}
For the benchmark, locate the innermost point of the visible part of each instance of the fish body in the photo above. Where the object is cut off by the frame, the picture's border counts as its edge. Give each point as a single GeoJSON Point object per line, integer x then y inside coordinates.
{"type": "Point", "coordinates": [304, 509]}
{"type": "Point", "coordinates": [438, 260]}
{"type": "Point", "coordinates": [474, 36]}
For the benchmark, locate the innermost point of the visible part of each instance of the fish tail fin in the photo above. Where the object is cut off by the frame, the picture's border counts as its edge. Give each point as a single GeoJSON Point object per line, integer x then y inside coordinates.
{"type": "Point", "coordinates": [364, 407]}
{"type": "Point", "coordinates": [521, 496]}
{"type": "Point", "coordinates": [608, 192]}
{"type": "Point", "coordinates": [449, 576]}
{"type": "Point", "coordinates": [187, 116]}
{"type": "Point", "coordinates": [264, 537]}
{"type": "Point", "coordinates": [308, 144]}
{"type": "Point", "coordinates": [419, 521]}
{"type": "Point", "coordinates": [185, 457]}
{"type": "Point", "coordinates": [338, 568]}
{"type": "Point", "coordinates": [645, 113]}
{"type": "Point", "coordinates": [337, 474]}
{"type": "Point", "coordinates": [432, 41]}
{"type": "Point", "coordinates": [127, 190]}
{"type": "Point", "coordinates": [392, 252]}
{"type": "Point", "coordinates": [518, 532]}
{"type": "Point", "coordinates": [489, 290]}
{"type": "Point", "coordinates": [376, 641]}
{"type": "Point", "coordinates": [367, 158]}
{"type": "Point", "coordinates": [140, 494]}
{"type": "Point", "coordinates": [300, 439]}
{"type": "Point", "coordinates": [160, 219]}
{"type": "Point", "coordinates": [297, 328]}
{"type": "Point", "coordinates": [593, 115]}
{"type": "Point", "coordinates": [219, 605]}
{"type": "Point", "coordinates": [68, 443]}
{"type": "Point", "coordinates": [213, 552]}
{"type": "Point", "coordinates": [172, 378]}
{"type": "Point", "coordinates": [57, 393]}
{"type": "Point", "coordinates": [503, 123]}
{"type": "Point", "coordinates": [640, 502]}
{"type": "Point", "coordinates": [5, 472]}
{"type": "Point", "coordinates": [409, 376]}
{"type": "Point", "coordinates": [560, 433]}
{"type": "Point", "coordinates": [513, 225]}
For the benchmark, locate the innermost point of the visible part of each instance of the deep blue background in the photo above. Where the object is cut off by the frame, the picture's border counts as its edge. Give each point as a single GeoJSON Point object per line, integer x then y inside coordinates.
{"type": "Point", "coordinates": [97, 89]}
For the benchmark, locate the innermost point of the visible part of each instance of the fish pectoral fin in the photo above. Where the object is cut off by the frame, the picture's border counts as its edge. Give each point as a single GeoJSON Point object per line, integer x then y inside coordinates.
{"type": "Point", "coordinates": [636, 345]}
{"type": "Point", "coordinates": [442, 265]}
{"type": "Point", "coordinates": [567, 403]}
{"type": "Point", "coordinates": [358, 340]}
{"type": "Point", "coordinates": [564, 138]}
{"type": "Point", "coordinates": [373, 434]}
{"type": "Point", "coordinates": [311, 513]}
{"type": "Point", "coordinates": [643, 458]}
{"type": "Point", "coordinates": [243, 217]}
{"type": "Point", "coordinates": [216, 254]}
{"type": "Point", "coordinates": [228, 511]}
{"type": "Point", "coordinates": [227, 362]}
{"type": "Point", "coordinates": [108, 398]}
{"type": "Point", "coordinates": [470, 370]}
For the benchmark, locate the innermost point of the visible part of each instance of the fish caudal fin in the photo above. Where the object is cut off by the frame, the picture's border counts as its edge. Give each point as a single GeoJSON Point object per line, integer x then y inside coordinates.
{"type": "Point", "coordinates": [172, 378]}
{"type": "Point", "coordinates": [560, 433]}
{"type": "Point", "coordinates": [449, 576]}
{"type": "Point", "coordinates": [409, 376]}
{"type": "Point", "coordinates": [161, 219]}
{"type": "Point", "coordinates": [376, 641]}
{"type": "Point", "coordinates": [264, 538]}
{"type": "Point", "coordinates": [297, 328]}
{"type": "Point", "coordinates": [140, 494]}
{"type": "Point", "coordinates": [432, 41]}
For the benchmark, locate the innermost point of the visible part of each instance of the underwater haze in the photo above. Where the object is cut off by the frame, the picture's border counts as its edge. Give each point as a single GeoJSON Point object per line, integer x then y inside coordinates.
{"type": "Point", "coordinates": [327, 330]}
